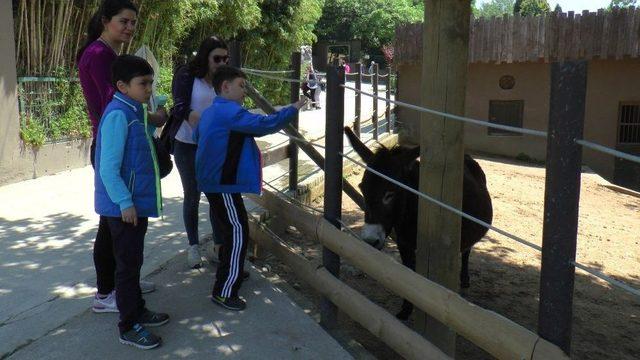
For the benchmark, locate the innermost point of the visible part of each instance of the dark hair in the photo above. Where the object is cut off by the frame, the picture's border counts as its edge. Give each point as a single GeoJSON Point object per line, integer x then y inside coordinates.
{"type": "Point", "coordinates": [126, 67]}
{"type": "Point", "coordinates": [199, 65]}
{"type": "Point", "coordinates": [226, 73]}
{"type": "Point", "coordinates": [107, 10]}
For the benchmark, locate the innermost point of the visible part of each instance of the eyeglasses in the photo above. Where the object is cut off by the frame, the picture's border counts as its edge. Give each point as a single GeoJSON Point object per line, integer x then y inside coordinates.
{"type": "Point", "coordinates": [219, 59]}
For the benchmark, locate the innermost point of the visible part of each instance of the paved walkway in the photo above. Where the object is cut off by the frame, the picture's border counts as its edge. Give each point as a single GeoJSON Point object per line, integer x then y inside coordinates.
{"type": "Point", "coordinates": [47, 227]}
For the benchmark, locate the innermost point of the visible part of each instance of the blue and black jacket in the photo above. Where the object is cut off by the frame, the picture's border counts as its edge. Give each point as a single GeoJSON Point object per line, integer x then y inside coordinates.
{"type": "Point", "coordinates": [228, 159]}
{"type": "Point", "coordinates": [127, 172]}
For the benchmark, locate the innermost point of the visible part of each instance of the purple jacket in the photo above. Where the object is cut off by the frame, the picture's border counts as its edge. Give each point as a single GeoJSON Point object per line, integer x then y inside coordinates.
{"type": "Point", "coordinates": [94, 71]}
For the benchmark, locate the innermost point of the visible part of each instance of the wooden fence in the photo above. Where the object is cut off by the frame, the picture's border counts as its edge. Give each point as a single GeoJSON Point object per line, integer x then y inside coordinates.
{"type": "Point", "coordinates": [556, 36]}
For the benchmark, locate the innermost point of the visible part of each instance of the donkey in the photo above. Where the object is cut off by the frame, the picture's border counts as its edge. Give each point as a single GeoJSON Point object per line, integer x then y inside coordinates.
{"type": "Point", "coordinates": [389, 207]}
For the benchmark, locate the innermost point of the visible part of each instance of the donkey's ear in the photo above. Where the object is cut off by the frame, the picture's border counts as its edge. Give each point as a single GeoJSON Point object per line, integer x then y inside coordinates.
{"type": "Point", "coordinates": [412, 153]}
{"type": "Point", "coordinates": [409, 158]}
{"type": "Point", "coordinates": [361, 149]}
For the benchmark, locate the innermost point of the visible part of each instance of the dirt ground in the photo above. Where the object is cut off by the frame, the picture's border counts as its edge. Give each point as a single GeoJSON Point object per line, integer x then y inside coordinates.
{"type": "Point", "coordinates": [505, 274]}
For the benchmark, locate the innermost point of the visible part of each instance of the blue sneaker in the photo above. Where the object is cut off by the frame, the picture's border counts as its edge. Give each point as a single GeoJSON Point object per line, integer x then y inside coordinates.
{"type": "Point", "coordinates": [139, 337]}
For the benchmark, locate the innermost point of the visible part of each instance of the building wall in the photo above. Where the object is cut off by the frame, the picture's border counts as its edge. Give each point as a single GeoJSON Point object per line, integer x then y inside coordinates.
{"type": "Point", "coordinates": [609, 82]}
{"type": "Point", "coordinates": [18, 162]}
{"type": "Point", "coordinates": [531, 85]}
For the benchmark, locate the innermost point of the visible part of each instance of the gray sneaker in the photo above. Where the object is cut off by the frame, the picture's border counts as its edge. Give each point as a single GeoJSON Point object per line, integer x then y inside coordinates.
{"type": "Point", "coordinates": [194, 258]}
{"type": "Point", "coordinates": [147, 286]}
{"type": "Point", "coordinates": [139, 337]}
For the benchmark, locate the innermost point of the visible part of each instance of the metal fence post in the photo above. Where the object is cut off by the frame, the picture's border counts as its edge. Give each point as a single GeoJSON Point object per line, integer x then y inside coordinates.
{"type": "Point", "coordinates": [293, 148]}
{"type": "Point", "coordinates": [374, 116]}
{"type": "Point", "coordinates": [333, 178]}
{"type": "Point", "coordinates": [387, 109]}
{"type": "Point", "coordinates": [356, 122]}
{"type": "Point", "coordinates": [235, 54]}
{"type": "Point", "coordinates": [561, 201]}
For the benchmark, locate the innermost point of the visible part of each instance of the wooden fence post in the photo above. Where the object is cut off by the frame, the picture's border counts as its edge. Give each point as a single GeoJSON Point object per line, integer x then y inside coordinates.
{"type": "Point", "coordinates": [333, 178]}
{"type": "Point", "coordinates": [446, 44]}
{"type": "Point", "coordinates": [374, 116]}
{"type": "Point", "coordinates": [295, 95]}
{"type": "Point", "coordinates": [357, 120]}
{"type": "Point", "coordinates": [561, 201]}
{"type": "Point", "coordinates": [387, 109]}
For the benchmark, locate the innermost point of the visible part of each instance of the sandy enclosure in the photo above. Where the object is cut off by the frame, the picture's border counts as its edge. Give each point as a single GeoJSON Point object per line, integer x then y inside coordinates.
{"type": "Point", "coordinates": [505, 274]}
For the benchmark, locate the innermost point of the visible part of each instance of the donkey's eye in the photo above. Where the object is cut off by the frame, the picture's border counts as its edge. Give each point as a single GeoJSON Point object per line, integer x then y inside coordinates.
{"type": "Point", "coordinates": [388, 198]}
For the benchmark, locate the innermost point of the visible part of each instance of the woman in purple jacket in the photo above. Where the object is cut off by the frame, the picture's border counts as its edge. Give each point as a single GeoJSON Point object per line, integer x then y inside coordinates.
{"type": "Point", "coordinates": [110, 27]}
{"type": "Point", "coordinates": [192, 93]}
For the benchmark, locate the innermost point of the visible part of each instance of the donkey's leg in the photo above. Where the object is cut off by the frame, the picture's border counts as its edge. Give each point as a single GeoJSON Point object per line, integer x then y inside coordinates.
{"type": "Point", "coordinates": [464, 271]}
{"type": "Point", "coordinates": [408, 257]}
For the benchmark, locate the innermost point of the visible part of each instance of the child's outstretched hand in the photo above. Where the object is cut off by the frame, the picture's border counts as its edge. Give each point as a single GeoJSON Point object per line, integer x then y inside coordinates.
{"type": "Point", "coordinates": [129, 215]}
{"type": "Point", "coordinates": [300, 103]}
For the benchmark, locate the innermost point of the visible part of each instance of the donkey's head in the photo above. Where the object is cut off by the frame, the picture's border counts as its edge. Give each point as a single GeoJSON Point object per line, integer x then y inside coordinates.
{"type": "Point", "coordinates": [383, 200]}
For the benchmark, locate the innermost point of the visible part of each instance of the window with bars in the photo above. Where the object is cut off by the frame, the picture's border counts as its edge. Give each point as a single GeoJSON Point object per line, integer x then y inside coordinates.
{"type": "Point", "coordinates": [505, 112]}
{"type": "Point", "coordinates": [629, 124]}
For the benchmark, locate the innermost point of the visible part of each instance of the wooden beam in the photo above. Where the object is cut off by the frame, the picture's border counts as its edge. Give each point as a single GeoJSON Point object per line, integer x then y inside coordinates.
{"type": "Point", "coordinates": [444, 78]}
{"type": "Point", "coordinates": [494, 333]}
{"type": "Point", "coordinates": [406, 342]}
{"type": "Point", "coordinates": [275, 155]}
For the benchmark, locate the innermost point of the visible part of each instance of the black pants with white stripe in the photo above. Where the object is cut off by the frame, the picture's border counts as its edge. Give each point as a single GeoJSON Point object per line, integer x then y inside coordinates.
{"type": "Point", "coordinates": [231, 222]}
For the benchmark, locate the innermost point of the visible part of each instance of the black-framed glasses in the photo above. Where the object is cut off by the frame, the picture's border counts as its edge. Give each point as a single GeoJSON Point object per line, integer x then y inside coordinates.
{"type": "Point", "coordinates": [221, 58]}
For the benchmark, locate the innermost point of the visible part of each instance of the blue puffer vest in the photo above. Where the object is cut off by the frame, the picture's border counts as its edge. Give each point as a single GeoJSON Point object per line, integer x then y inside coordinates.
{"type": "Point", "coordinates": [139, 168]}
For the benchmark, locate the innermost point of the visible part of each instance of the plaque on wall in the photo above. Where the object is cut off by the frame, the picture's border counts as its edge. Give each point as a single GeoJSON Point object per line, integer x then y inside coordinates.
{"type": "Point", "coordinates": [507, 82]}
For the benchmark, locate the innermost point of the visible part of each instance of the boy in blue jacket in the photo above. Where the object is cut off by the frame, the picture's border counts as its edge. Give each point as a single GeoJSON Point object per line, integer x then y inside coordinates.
{"type": "Point", "coordinates": [127, 193]}
{"type": "Point", "coordinates": [228, 163]}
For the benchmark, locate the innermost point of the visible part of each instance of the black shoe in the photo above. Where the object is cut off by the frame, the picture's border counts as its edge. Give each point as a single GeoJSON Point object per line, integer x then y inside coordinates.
{"type": "Point", "coordinates": [139, 337]}
{"type": "Point", "coordinates": [150, 318]}
{"type": "Point", "coordinates": [231, 303]}
{"type": "Point", "coordinates": [245, 275]}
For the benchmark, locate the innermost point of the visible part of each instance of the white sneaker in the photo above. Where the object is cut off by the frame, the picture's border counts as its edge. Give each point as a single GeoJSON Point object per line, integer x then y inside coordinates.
{"type": "Point", "coordinates": [147, 286]}
{"type": "Point", "coordinates": [194, 259]}
{"type": "Point", "coordinates": [106, 305]}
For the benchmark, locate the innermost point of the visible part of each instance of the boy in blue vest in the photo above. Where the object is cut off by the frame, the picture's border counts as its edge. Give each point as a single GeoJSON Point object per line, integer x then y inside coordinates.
{"type": "Point", "coordinates": [127, 193]}
{"type": "Point", "coordinates": [228, 163]}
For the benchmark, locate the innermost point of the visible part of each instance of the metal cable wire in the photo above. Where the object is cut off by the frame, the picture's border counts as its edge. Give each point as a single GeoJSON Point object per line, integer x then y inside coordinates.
{"type": "Point", "coordinates": [274, 77]}
{"type": "Point", "coordinates": [596, 273]}
{"type": "Point", "coordinates": [607, 150]}
{"type": "Point", "coordinates": [267, 71]}
{"type": "Point", "coordinates": [606, 278]}
{"type": "Point", "coordinates": [538, 133]}
{"type": "Point", "coordinates": [451, 116]}
{"type": "Point", "coordinates": [446, 206]}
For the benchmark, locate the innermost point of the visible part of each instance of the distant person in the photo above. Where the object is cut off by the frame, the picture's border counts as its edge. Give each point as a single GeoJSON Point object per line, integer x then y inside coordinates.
{"type": "Point", "coordinates": [193, 92]}
{"type": "Point", "coordinates": [127, 193]}
{"type": "Point", "coordinates": [372, 67]}
{"type": "Point", "coordinates": [227, 165]}
{"type": "Point", "coordinates": [312, 89]}
{"type": "Point", "coordinates": [345, 65]}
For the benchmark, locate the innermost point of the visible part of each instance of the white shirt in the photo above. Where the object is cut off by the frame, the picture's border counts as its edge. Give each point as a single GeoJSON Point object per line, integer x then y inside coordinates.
{"type": "Point", "coordinates": [202, 95]}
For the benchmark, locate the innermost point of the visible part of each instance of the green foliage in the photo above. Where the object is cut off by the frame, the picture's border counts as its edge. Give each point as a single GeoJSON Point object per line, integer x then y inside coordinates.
{"type": "Point", "coordinates": [558, 8]}
{"type": "Point", "coordinates": [623, 3]}
{"type": "Point", "coordinates": [531, 7]}
{"type": "Point", "coordinates": [372, 21]}
{"type": "Point", "coordinates": [53, 111]}
{"type": "Point", "coordinates": [284, 27]}
{"type": "Point", "coordinates": [495, 8]}
{"type": "Point", "coordinates": [165, 77]}
{"type": "Point", "coordinates": [33, 133]}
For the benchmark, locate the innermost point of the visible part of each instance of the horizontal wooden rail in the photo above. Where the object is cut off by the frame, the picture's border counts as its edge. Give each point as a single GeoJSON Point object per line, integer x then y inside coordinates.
{"type": "Point", "coordinates": [372, 317]}
{"type": "Point", "coordinates": [492, 332]}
